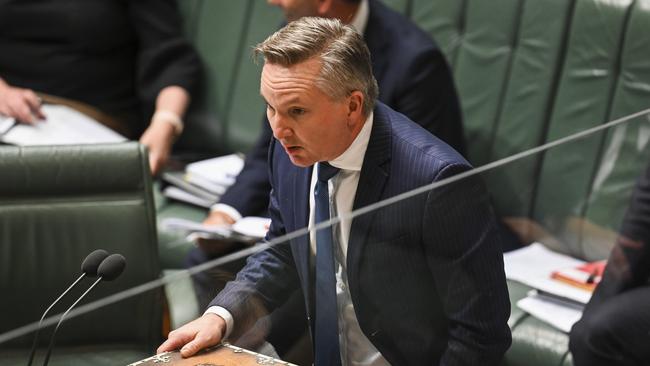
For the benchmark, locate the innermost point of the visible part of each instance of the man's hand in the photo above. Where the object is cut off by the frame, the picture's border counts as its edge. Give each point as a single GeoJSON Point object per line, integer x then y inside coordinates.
{"type": "Point", "coordinates": [196, 335]}
{"type": "Point", "coordinates": [212, 246]}
{"type": "Point", "coordinates": [159, 138]}
{"type": "Point", "coordinates": [21, 104]}
{"type": "Point", "coordinates": [218, 218]}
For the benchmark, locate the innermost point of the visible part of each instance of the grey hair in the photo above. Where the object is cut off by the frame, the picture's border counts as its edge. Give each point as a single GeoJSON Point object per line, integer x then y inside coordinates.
{"type": "Point", "coordinates": [344, 56]}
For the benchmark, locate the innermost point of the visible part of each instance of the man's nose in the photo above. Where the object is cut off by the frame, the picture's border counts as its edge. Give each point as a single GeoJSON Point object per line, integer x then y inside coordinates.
{"type": "Point", "coordinates": [280, 127]}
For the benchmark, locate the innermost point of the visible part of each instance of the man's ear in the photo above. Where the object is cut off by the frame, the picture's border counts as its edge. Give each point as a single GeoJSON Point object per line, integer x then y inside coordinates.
{"type": "Point", "coordinates": [355, 106]}
{"type": "Point", "coordinates": [323, 7]}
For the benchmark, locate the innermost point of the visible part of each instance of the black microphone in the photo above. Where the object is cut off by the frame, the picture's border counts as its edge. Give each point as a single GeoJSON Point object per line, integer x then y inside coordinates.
{"type": "Point", "coordinates": [108, 270]}
{"type": "Point", "coordinates": [88, 268]}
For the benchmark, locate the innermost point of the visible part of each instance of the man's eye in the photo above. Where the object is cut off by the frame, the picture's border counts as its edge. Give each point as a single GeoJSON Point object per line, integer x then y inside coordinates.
{"type": "Point", "coordinates": [297, 111]}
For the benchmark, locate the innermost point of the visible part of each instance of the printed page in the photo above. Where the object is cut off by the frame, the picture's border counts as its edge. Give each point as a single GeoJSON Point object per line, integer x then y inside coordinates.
{"type": "Point", "coordinates": [63, 126]}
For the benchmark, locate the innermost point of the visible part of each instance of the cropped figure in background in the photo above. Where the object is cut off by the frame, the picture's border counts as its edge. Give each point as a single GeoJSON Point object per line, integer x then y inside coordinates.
{"type": "Point", "coordinates": [391, 287]}
{"type": "Point", "coordinates": [615, 326]}
{"type": "Point", "coordinates": [413, 77]}
{"type": "Point", "coordinates": [127, 59]}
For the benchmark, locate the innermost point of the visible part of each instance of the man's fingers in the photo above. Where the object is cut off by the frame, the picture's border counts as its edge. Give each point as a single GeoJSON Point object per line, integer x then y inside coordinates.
{"type": "Point", "coordinates": [169, 345]}
{"type": "Point", "coordinates": [176, 340]}
{"type": "Point", "coordinates": [201, 341]}
{"type": "Point", "coordinates": [34, 103]}
{"type": "Point", "coordinates": [154, 164]}
{"type": "Point", "coordinates": [191, 348]}
{"type": "Point", "coordinates": [22, 112]}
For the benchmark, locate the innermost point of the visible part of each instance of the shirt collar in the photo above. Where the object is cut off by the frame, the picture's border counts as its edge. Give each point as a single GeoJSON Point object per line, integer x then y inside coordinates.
{"type": "Point", "coordinates": [360, 19]}
{"type": "Point", "coordinates": [352, 158]}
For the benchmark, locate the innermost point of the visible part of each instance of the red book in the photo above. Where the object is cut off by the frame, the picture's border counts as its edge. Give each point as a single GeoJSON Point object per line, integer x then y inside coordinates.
{"type": "Point", "coordinates": [585, 276]}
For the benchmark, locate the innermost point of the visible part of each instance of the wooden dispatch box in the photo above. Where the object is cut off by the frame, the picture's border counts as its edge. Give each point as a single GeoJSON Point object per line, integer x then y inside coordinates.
{"type": "Point", "coordinates": [224, 354]}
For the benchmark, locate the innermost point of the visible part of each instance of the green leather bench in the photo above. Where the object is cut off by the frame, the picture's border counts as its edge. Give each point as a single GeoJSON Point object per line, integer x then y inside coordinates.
{"type": "Point", "coordinates": [527, 72]}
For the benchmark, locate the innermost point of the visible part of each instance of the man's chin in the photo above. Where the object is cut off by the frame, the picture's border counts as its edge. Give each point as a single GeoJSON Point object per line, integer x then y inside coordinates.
{"type": "Point", "coordinates": [300, 161]}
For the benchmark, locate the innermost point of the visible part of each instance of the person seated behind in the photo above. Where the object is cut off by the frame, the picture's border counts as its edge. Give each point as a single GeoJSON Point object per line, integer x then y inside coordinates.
{"type": "Point", "coordinates": [615, 326]}
{"type": "Point", "coordinates": [414, 79]}
{"type": "Point", "coordinates": [442, 299]}
{"type": "Point", "coordinates": [125, 58]}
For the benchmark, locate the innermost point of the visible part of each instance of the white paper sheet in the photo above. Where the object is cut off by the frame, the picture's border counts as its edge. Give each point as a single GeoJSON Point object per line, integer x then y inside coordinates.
{"type": "Point", "coordinates": [221, 170]}
{"type": "Point", "coordinates": [559, 314]}
{"type": "Point", "coordinates": [252, 226]}
{"type": "Point", "coordinates": [63, 126]}
{"type": "Point", "coordinates": [6, 123]}
{"type": "Point", "coordinates": [533, 265]}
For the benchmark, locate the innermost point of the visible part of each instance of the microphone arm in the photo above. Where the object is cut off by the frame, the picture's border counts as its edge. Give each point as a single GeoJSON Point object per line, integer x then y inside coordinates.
{"type": "Point", "coordinates": [49, 348]}
{"type": "Point", "coordinates": [38, 330]}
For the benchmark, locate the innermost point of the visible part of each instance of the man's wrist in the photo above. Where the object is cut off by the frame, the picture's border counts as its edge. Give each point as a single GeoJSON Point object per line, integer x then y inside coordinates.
{"type": "Point", "coordinates": [225, 315]}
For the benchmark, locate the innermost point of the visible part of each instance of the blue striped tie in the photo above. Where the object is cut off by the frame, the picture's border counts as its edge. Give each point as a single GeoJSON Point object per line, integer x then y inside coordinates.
{"type": "Point", "coordinates": [326, 333]}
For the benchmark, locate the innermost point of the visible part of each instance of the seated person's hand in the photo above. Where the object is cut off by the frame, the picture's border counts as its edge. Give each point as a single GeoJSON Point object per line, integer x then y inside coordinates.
{"type": "Point", "coordinates": [22, 104]}
{"type": "Point", "coordinates": [159, 138]}
{"type": "Point", "coordinates": [196, 335]}
{"type": "Point", "coordinates": [215, 247]}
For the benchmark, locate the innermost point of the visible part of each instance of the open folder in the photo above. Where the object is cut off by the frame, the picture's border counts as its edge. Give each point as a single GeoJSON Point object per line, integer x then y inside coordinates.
{"type": "Point", "coordinates": [63, 126]}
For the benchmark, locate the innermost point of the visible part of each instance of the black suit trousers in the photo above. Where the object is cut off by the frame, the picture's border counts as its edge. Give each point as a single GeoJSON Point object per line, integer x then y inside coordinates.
{"type": "Point", "coordinates": [616, 332]}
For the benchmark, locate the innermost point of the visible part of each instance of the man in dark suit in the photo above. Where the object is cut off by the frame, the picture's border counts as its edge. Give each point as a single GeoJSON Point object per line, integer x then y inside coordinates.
{"type": "Point", "coordinates": [417, 282]}
{"type": "Point", "coordinates": [615, 326]}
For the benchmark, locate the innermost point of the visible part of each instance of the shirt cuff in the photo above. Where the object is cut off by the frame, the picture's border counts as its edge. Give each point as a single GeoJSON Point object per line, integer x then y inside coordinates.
{"type": "Point", "coordinates": [225, 314]}
{"type": "Point", "coordinates": [227, 209]}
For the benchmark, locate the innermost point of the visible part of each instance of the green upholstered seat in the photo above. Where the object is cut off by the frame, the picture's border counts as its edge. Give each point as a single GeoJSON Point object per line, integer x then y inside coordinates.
{"type": "Point", "coordinates": [57, 204]}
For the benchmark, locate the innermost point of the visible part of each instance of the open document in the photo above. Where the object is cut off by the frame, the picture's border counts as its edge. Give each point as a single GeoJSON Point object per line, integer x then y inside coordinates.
{"type": "Point", "coordinates": [553, 301]}
{"type": "Point", "coordinates": [534, 265]}
{"type": "Point", "coordinates": [63, 126]}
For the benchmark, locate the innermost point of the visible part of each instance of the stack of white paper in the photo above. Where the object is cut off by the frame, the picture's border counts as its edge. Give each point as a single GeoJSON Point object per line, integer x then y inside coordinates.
{"type": "Point", "coordinates": [63, 126]}
{"type": "Point", "coordinates": [560, 314]}
{"type": "Point", "coordinates": [202, 183]}
{"type": "Point", "coordinates": [554, 302]}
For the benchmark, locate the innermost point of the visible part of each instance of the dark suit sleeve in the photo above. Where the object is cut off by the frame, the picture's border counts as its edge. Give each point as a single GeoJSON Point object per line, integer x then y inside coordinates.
{"type": "Point", "coordinates": [164, 56]}
{"type": "Point", "coordinates": [464, 255]}
{"type": "Point", "coordinates": [250, 193]}
{"type": "Point", "coordinates": [266, 281]}
{"type": "Point", "coordinates": [428, 97]}
{"type": "Point", "coordinates": [629, 261]}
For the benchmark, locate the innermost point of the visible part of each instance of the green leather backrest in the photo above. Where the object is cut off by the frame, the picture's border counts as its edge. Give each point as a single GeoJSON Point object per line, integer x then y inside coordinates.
{"type": "Point", "coordinates": [57, 204]}
{"type": "Point", "coordinates": [625, 150]}
{"type": "Point", "coordinates": [247, 109]}
{"type": "Point", "coordinates": [583, 100]}
{"type": "Point", "coordinates": [529, 72]}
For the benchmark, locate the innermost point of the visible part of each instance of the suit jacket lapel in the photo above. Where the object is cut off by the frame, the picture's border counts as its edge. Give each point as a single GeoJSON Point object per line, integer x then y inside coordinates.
{"type": "Point", "coordinates": [301, 180]}
{"type": "Point", "coordinates": [374, 174]}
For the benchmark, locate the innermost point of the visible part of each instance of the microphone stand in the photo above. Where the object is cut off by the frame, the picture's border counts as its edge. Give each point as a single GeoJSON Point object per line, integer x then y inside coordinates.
{"type": "Point", "coordinates": [38, 330]}
{"type": "Point", "coordinates": [49, 348]}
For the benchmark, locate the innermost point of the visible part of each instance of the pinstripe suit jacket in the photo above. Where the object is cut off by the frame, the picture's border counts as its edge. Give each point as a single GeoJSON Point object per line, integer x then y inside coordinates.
{"type": "Point", "coordinates": [425, 274]}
